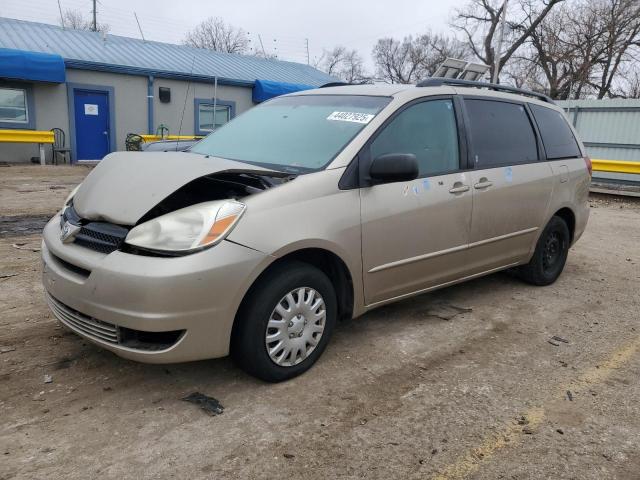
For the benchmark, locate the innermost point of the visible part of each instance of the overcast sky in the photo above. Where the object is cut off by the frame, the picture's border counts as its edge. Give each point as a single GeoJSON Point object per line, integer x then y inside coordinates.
{"type": "Point", "coordinates": [283, 25]}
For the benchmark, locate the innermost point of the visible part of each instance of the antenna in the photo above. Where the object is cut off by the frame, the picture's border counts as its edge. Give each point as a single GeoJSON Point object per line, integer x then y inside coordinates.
{"type": "Point", "coordinates": [139, 27]}
{"type": "Point", "coordinates": [215, 101]}
{"type": "Point", "coordinates": [262, 46]}
{"type": "Point", "coordinates": [61, 16]}
{"type": "Point", "coordinates": [186, 96]}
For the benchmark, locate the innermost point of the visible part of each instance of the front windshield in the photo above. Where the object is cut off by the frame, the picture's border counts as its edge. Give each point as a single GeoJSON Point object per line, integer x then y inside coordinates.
{"type": "Point", "coordinates": [298, 134]}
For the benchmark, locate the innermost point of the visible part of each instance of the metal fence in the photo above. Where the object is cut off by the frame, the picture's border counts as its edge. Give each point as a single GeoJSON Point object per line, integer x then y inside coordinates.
{"type": "Point", "coordinates": [610, 130]}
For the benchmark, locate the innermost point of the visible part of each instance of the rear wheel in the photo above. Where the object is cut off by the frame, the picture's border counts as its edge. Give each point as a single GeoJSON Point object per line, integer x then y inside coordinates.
{"type": "Point", "coordinates": [285, 323]}
{"type": "Point", "coordinates": [550, 255]}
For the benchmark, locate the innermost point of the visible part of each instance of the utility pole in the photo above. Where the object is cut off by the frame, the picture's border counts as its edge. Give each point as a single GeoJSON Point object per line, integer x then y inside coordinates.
{"type": "Point", "coordinates": [61, 16]}
{"type": "Point", "coordinates": [95, 22]}
{"type": "Point", "coordinates": [496, 67]}
{"type": "Point", "coordinates": [306, 42]}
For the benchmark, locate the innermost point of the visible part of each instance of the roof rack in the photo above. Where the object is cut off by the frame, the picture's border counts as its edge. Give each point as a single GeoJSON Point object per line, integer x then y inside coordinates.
{"type": "Point", "coordinates": [439, 81]}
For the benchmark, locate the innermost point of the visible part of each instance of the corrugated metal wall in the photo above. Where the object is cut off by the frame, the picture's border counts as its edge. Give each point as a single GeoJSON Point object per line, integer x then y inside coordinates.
{"type": "Point", "coordinates": [610, 130]}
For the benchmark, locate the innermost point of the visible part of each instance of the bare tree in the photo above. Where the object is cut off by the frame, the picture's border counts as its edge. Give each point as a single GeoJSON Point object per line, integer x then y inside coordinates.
{"type": "Point", "coordinates": [413, 59]}
{"type": "Point", "coordinates": [214, 34]}
{"type": "Point", "coordinates": [621, 26]}
{"type": "Point", "coordinates": [631, 84]}
{"type": "Point", "coordinates": [75, 20]}
{"type": "Point", "coordinates": [583, 48]}
{"type": "Point", "coordinates": [343, 63]}
{"type": "Point", "coordinates": [478, 21]}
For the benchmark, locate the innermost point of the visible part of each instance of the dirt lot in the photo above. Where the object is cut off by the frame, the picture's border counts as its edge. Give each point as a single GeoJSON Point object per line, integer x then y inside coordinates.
{"type": "Point", "coordinates": [414, 390]}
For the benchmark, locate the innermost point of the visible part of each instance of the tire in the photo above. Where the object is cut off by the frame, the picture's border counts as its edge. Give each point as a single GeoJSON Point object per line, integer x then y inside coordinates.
{"type": "Point", "coordinates": [550, 255]}
{"type": "Point", "coordinates": [298, 329]}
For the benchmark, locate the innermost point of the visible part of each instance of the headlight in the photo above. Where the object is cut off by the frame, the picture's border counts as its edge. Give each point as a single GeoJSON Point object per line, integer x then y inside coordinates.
{"type": "Point", "coordinates": [70, 196]}
{"type": "Point", "coordinates": [188, 229]}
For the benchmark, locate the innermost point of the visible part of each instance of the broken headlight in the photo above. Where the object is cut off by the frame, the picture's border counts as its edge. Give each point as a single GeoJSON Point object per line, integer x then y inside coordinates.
{"type": "Point", "coordinates": [189, 229]}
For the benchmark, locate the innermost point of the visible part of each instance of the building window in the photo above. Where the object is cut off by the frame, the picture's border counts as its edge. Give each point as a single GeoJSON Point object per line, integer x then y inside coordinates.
{"type": "Point", "coordinates": [13, 106]}
{"type": "Point", "coordinates": [206, 120]}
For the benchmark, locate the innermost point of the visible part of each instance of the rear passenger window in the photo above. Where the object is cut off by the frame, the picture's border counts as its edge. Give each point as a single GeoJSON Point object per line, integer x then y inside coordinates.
{"type": "Point", "coordinates": [501, 133]}
{"type": "Point", "coordinates": [557, 137]}
{"type": "Point", "coordinates": [429, 131]}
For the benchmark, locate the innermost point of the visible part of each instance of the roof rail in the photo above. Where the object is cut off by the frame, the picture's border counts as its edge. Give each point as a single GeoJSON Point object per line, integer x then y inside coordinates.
{"type": "Point", "coordinates": [335, 84]}
{"type": "Point", "coordinates": [345, 84]}
{"type": "Point", "coordinates": [439, 81]}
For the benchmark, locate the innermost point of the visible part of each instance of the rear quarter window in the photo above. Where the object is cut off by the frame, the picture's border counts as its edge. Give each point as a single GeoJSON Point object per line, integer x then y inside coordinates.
{"type": "Point", "coordinates": [557, 137]}
{"type": "Point", "coordinates": [501, 133]}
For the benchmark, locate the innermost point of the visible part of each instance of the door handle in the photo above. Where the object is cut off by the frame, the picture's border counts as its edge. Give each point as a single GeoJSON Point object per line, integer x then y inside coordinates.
{"type": "Point", "coordinates": [483, 183]}
{"type": "Point", "coordinates": [459, 189]}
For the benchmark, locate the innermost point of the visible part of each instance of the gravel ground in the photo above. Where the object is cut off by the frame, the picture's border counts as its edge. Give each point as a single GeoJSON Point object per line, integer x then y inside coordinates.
{"type": "Point", "coordinates": [459, 383]}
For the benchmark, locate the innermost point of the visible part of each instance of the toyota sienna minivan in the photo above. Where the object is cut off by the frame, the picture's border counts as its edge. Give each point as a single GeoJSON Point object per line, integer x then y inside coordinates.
{"type": "Point", "coordinates": [310, 208]}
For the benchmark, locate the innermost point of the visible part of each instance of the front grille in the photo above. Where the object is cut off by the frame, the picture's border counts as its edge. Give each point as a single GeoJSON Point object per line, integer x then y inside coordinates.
{"type": "Point", "coordinates": [101, 237]}
{"type": "Point", "coordinates": [81, 323]}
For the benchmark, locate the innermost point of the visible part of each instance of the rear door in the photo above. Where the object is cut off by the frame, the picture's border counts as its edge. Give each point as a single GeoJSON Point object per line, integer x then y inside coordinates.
{"type": "Point", "coordinates": [414, 234]}
{"type": "Point", "coordinates": [512, 185]}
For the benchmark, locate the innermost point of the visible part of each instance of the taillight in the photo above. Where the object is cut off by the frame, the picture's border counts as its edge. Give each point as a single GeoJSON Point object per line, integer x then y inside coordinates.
{"type": "Point", "coordinates": [587, 160]}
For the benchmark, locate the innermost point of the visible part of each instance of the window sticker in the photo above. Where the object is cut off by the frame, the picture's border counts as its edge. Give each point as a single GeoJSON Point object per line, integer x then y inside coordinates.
{"type": "Point", "coordinates": [425, 184]}
{"type": "Point", "coordinates": [355, 117]}
{"type": "Point", "coordinates": [90, 109]}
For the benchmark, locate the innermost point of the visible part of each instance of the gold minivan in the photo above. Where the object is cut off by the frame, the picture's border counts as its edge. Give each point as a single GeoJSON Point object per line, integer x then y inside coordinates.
{"type": "Point", "coordinates": [310, 208]}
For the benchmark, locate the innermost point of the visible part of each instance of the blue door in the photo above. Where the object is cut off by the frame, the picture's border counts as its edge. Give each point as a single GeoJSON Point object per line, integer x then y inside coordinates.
{"type": "Point", "coordinates": [92, 124]}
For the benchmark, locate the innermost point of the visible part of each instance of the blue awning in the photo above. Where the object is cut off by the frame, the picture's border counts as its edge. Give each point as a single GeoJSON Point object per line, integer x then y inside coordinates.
{"type": "Point", "coordinates": [32, 66]}
{"type": "Point", "coordinates": [266, 89]}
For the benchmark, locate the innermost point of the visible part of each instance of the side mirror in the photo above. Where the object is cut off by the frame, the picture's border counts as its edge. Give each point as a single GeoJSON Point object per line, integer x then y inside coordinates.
{"type": "Point", "coordinates": [394, 167]}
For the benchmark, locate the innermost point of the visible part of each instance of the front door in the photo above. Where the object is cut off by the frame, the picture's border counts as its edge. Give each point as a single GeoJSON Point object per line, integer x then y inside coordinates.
{"type": "Point", "coordinates": [92, 124]}
{"type": "Point", "coordinates": [415, 234]}
{"type": "Point", "coordinates": [512, 187]}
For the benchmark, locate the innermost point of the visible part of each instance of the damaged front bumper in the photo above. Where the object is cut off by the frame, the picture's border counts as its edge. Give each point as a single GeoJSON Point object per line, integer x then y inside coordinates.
{"type": "Point", "coordinates": [150, 309]}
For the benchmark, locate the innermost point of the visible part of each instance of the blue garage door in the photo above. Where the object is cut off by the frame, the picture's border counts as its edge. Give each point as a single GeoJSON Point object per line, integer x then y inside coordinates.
{"type": "Point", "coordinates": [92, 124]}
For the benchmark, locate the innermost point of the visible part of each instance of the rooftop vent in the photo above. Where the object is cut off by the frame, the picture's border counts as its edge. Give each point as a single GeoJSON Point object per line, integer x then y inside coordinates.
{"type": "Point", "coordinates": [454, 68]}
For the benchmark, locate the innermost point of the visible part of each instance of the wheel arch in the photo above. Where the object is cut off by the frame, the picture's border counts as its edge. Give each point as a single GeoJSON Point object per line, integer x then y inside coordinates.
{"type": "Point", "coordinates": [325, 260]}
{"type": "Point", "coordinates": [569, 217]}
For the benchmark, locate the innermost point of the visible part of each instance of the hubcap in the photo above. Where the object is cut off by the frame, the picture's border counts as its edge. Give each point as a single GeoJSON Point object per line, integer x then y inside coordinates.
{"type": "Point", "coordinates": [295, 326]}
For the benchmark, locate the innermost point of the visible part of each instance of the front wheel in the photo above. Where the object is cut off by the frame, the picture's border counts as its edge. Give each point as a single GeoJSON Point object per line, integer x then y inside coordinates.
{"type": "Point", "coordinates": [550, 255]}
{"type": "Point", "coordinates": [285, 322]}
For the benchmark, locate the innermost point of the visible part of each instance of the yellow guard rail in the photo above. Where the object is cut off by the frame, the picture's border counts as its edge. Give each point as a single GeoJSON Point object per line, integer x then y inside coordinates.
{"type": "Point", "coordinates": [615, 166]}
{"type": "Point", "coordinates": [28, 136]}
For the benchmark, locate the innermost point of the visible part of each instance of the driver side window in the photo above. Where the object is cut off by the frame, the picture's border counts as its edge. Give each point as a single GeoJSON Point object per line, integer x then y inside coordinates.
{"type": "Point", "coordinates": [429, 131]}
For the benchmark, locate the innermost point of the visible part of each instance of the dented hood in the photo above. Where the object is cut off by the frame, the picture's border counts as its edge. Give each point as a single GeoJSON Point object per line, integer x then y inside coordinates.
{"type": "Point", "coordinates": [126, 185]}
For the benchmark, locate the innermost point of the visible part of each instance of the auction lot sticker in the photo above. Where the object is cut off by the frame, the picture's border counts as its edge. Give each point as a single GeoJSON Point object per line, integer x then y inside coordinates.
{"type": "Point", "coordinates": [355, 117]}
